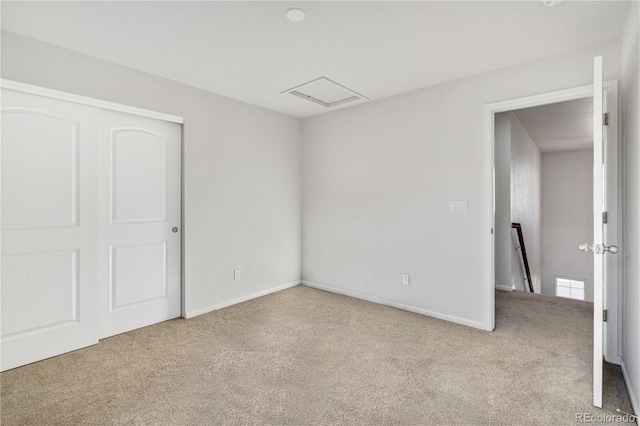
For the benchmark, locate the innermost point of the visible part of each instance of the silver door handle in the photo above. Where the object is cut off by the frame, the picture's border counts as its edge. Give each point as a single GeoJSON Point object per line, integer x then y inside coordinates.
{"type": "Point", "coordinates": [589, 247]}
{"type": "Point", "coordinates": [174, 229]}
{"type": "Point", "coordinates": [586, 247]}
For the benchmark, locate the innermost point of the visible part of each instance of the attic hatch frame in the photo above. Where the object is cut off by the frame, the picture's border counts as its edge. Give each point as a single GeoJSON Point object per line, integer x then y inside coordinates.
{"type": "Point", "coordinates": [296, 91]}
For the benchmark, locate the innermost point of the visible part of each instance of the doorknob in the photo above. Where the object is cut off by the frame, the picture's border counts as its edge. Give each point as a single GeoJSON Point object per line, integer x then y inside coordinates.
{"type": "Point", "coordinates": [174, 229]}
{"type": "Point", "coordinates": [586, 247]}
{"type": "Point", "coordinates": [589, 247]}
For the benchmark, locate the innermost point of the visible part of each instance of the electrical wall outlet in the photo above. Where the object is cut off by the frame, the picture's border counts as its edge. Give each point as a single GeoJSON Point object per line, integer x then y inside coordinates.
{"type": "Point", "coordinates": [236, 274]}
{"type": "Point", "coordinates": [405, 279]}
{"type": "Point", "coordinates": [460, 206]}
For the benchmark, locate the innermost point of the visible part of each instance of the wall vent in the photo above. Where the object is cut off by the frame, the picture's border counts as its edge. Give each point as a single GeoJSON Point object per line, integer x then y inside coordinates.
{"type": "Point", "coordinates": [325, 92]}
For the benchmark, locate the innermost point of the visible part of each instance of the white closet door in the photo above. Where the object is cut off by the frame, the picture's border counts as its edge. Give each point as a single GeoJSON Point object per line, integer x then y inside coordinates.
{"type": "Point", "coordinates": [50, 228]}
{"type": "Point", "coordinates": [141, 221]}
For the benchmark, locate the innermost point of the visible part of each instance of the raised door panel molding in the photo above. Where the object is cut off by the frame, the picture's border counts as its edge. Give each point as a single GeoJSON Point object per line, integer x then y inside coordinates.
{"type": "Point", "coordinates": [138, 274]}
{"type": "Point", "coordinates": [39, 292]}
{"type": "Point", "coordinates": [138, 176]}
{"type": "Point", "coordinates": [40, 151]}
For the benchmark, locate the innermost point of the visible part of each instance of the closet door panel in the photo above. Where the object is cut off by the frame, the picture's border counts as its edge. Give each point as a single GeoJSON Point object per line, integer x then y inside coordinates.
{"type": "Point", "coordinates": [141, 221]}
{"type": "Point", "coordinates": [49, 293]}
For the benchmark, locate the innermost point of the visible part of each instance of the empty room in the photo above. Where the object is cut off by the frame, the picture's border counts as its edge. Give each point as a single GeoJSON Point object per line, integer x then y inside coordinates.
{"type": "Point", "coordinates": [320, 212]}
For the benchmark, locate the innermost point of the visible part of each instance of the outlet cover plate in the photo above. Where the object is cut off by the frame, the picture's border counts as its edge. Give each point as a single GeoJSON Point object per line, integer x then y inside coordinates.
{"type": "Point", "coordinates": [458, 206]}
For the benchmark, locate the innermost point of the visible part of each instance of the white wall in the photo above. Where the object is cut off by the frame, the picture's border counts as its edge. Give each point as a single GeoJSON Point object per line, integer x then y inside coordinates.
{"type": "Point", "coordinates": [517, 199]}
{"type": "Point", "coordinates": [503, 246]}
{"type": "Point", "coordinates": [631, 217]}
{"type": "Point", "coordinates": [378, 178]}
{"type": "Point", "coordinates": [525, 201]}
{"type": "Point", "coordinates": [241, 169]}
{"type": "Point", "coordinates": [567, 217]}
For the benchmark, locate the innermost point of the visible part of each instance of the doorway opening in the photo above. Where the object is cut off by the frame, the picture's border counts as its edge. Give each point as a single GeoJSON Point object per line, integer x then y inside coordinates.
{"type": "Point", "coordinates": [605, 210]}
{"type": "Point", "coordinates": [544, 199]}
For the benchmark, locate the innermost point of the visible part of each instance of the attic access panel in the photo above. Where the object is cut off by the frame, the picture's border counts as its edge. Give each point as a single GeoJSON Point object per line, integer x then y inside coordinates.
{"type": "Point", "coordinates": [325, 92]}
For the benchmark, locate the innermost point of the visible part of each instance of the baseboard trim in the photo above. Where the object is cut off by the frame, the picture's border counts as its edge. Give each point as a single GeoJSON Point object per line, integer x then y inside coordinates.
{"type": "Point", "coordinates": [633, 394]}
{"type": "Point", "coordinates": [504, 288]}
{"type": "Point", "coordinates": [240, 300]}
{"type": "Point", "coordinates": [385, 302]}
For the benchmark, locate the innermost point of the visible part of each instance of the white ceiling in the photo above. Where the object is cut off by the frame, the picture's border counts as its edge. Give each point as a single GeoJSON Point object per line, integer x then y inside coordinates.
{"type": "Point", "coordinates": [560, 127]}
{"type": "Point", "coordinates": [251, 52]}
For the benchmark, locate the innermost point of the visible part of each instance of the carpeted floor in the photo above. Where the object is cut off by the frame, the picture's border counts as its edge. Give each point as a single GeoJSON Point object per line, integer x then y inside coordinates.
{"type": "Point", "coordinates": [307, 357]}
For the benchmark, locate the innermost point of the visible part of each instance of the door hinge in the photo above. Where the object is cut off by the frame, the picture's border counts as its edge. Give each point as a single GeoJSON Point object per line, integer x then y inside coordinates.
{"type": "Point", "coordinates": [605, 119]}
{"type": "Point", "coordinates": [605, 217]}
{"type": "Point", "coordinates": [605, 315]}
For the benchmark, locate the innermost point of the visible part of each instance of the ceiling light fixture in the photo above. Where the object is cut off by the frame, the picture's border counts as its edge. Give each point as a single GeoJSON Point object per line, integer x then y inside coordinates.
{"type": "Point", "coordinates": [550, 3]}
{"type": "Point", "coordinates": [295, 15]}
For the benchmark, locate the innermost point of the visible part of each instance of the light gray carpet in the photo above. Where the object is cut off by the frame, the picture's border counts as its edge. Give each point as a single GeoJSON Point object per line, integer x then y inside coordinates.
{"type": "Point", "coordinates": [307, 357]}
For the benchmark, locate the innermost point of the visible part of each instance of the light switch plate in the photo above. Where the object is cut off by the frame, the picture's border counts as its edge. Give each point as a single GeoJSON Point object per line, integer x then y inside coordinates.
{"type": "Point", "coordinates": [459, 206]}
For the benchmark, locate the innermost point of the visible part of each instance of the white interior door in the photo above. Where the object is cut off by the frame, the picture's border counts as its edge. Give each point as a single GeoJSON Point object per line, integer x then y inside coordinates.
{"type": "Point", "coordinates": [604, 182]}
{"type": "Point", "coordinates": [141, 221]}
{"type": "Point", "coordinates": [49, 228]}
{"type": "Point", "coordinates": [612, 264]}
{"type": "Point", "coordinates": [605, 231]}
{"type": "Point", "coordinates": [598, 234]}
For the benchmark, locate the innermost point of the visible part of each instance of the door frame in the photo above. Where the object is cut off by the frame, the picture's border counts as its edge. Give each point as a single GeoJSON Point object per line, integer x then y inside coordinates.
{"type": "Point", "coordinates": [613, 341]}
{"type": "Point", "coordinates": [84, 100]}
{"type": "Point", "coordinates": [100, 103]}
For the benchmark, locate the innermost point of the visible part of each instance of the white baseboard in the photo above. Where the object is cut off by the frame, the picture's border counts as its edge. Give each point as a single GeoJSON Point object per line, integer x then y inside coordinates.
{"type": "Point", "coordinates": [450, 318]}
{"type": "Point", "coordinates": [633, 393]}
{"type": "Point", "coordinates": [503, 288]}
{"type": "Point", "coordinates": [239, 300]}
